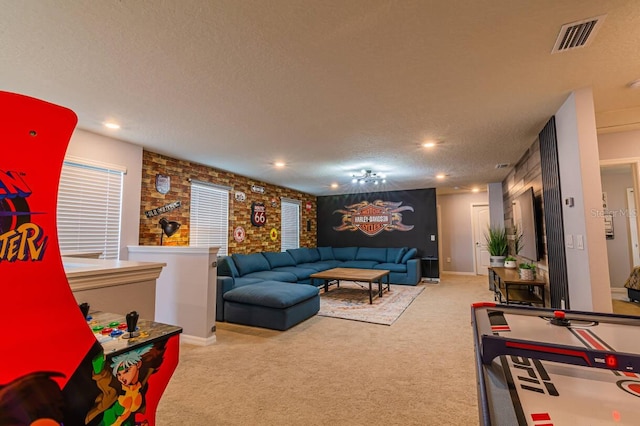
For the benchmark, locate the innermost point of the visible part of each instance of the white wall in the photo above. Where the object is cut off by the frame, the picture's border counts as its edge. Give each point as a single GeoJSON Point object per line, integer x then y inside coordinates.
{"type": "Point", "coordinates": [456, 231]}
{"type": "Point", "coordinates": [94, 147]}
{"type": "Point", "coordinates": [615, 184]}
{"type": "Point", "coordinates": [587, 268]}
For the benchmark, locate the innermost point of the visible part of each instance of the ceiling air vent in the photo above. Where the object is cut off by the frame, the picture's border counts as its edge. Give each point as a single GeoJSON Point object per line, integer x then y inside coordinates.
{"type": "Point", "coordinates": [502, 165]}
{"type": "Point", "coordinates": [577, 34]}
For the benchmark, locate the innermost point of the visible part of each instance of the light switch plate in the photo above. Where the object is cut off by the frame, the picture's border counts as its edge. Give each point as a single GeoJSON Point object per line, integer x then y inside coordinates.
{"type": "Point", "coordinates": [579, 242]}
{"type": "Point", "coordinates": [569, 241]}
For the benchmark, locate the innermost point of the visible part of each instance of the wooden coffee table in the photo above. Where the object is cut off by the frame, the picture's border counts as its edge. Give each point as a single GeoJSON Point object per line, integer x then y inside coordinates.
{"type": "Point", "coordinates": [353, 274]}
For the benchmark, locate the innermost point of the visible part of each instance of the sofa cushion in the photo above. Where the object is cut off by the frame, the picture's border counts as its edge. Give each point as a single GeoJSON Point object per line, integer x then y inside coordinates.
{"type": "Point", "coordinates": [300, 255]}
{"type": "Point", "coordinates": [321, 265]}
{"type": "Point", "coordinates": [271, 294]}
{"type": "Point", "coordinates": [362, 264]}
{"type": "Point", "coordinates": [326, 253]}
{"type": "Point", "coordinates": [314, 255]}
{"type": "Point", "coordinates": [286, 277]}
{"type": "Point", "coordinates": [248, 263]}
{"type": "Point", "coordinates": [227, 267]}
{"type": "Point", "coordinates": [300, 273]}
{"type": "Point", "coordinates": [411, 253]}
{"type": "Point", "coordinates": [394, 254]}
{"type": "Point", "coordinates": [277, 260]}
{"type": "Point", "coordinates": [242, 281]}
{"type": "Point", "coordinates": [372, 253]}
{"type": "Point", "coordinates": [392, 267]}
{"type": "Point", "coordinates": [345, 253]}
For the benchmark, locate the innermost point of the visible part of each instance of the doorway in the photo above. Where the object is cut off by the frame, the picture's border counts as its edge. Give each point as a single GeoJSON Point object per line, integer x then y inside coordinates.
{"type": "Point", "coordinates": [480, 220]}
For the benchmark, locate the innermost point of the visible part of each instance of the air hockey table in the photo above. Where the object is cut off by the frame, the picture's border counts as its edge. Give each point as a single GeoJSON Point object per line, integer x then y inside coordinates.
{"type": "Point", "coordinates": [544, 367]}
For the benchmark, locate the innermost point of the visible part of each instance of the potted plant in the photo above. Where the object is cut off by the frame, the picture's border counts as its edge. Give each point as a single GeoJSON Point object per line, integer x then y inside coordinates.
{"type": "Point", "coordinates": [497, 244]}
{"type": "Point", "coordinates": [510, 262]}
{"type": "Point", "coordinates": [527, 271]}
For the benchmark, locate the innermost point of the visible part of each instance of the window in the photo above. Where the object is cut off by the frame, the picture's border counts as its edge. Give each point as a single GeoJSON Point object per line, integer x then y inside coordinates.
{"type": "Point", "coordinates": [290, 224]}
{"type": "Point", "coordinates": [89, 207]}
{"type": "Point", "coordinates": [209, 221]}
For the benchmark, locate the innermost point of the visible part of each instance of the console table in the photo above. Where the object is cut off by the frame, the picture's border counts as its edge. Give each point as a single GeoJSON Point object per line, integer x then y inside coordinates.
{"type": "Point", "coordinates": [508, 286]}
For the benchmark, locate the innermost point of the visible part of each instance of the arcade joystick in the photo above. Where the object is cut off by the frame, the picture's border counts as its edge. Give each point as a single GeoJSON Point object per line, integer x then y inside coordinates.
{"type": "Point", "coordinates": [132, 321]}
{"type": "Point", "coordinates": [84, 308]}
{"type": "Point", "coordinates": [559, 319]}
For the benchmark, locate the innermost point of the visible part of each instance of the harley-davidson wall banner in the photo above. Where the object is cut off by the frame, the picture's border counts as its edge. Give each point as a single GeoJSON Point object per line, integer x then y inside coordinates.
{"type": "Point", "coordinates": [163, 183]}
{"type": "Point", "coordinates": [258, 214]}
{"type": "Point", "coordinates": [373, 218]}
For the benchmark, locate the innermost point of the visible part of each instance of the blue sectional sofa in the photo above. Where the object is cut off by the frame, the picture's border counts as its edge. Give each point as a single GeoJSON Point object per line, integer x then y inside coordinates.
{"type": "Point", "coordinates": [296, 266]}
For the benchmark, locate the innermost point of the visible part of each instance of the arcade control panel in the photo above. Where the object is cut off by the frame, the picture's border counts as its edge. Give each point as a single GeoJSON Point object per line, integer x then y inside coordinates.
{"type": "Point", "coordinates": [118, 334]}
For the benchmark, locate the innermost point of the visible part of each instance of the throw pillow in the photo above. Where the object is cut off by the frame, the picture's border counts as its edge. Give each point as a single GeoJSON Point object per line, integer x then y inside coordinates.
{"type": "Point", "coordinates": [401, 254]}
{"type": "Point", "coordinates": [409, 255]}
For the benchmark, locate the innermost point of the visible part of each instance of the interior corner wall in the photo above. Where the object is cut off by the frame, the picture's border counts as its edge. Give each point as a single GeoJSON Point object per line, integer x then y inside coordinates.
{"type": "Point", "coordinates": [587, 268]}
{"type": "Point", "coordinates": [356, 220]}
{"type": "Point", "coordinates": [91, 146]}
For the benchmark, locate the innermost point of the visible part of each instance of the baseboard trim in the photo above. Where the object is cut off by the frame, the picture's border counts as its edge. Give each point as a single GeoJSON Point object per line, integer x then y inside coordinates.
{"type": "Point", "coordinates": [618, 290]}
{"type": "Point", "coordinates": [459, 273]}
{"type": "Point", "coordinates": [198, 341]}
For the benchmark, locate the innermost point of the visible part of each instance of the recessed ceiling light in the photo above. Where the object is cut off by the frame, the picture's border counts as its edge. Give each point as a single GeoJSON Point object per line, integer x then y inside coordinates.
{"type": "Point", "coordinates": [279, 164]}
{"type": "Point", "coordinates": [429, 144]}
{"type": "Point", "coordinates": [334, 185]}
{"type": "Point", "coordinates": [474, 189]}
{"type": "Point", "coordinates": [440, 176]}
{"type": "Point", "coordinates": [111, 125]}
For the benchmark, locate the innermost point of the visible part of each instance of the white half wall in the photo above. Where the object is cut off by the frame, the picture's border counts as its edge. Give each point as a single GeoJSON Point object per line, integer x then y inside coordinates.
{"type": "Point", "coordinates": [587, 268]}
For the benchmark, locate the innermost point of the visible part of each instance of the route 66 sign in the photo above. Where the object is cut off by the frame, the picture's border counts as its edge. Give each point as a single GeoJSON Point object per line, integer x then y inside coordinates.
{"type": "Point", "coordinates": [258, 214]}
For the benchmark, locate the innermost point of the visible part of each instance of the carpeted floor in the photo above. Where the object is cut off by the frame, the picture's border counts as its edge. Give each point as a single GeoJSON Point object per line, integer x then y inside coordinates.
{"type": "Point", "coordinates": [328, 371]}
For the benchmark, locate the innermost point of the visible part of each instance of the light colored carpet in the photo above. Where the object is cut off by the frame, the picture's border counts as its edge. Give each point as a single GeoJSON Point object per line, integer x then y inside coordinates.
{"type": "Point", "coordinates": [351, 301]}
{"type": "Point", "coordinates": [328, 371]}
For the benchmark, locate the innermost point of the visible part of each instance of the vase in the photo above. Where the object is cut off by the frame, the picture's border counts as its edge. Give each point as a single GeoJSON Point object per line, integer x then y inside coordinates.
{"type": "Point", "coordinates": [511, 264]}
{"type": "Point", "coordinates": [527, 274]}
{"type": "Point", "coordinates": [497, 261]}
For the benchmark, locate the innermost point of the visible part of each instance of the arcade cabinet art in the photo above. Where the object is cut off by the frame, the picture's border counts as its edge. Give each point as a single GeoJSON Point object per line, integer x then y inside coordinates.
{"type": "Point", "coordinates": [50, 361]}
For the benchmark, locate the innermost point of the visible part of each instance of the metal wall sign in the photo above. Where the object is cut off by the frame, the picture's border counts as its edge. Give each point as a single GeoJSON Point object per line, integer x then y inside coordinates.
{"type": "Point", "coordinates": [164, 209]}
{"type": "Point", "coordinates": [240, 196]}
{"type": "Point", "coordinates": [258, 189]}
{"type": "Point", "coordinates": [258, 214]}
{"type": "Point", "coordinates": [373, 218]}
{"type": "Point", "coordinates": [163, 183]}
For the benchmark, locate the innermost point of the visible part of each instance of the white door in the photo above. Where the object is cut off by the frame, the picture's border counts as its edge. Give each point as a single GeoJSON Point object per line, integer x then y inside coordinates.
{"type": "Point", "coordinates": [480, 221]}
{"type": "Point", "coordinates": [633, 226]}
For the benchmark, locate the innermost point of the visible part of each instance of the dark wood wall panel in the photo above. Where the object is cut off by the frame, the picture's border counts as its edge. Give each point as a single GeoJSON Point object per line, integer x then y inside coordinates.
{"type": "Point", "coordinates": [554, 226]}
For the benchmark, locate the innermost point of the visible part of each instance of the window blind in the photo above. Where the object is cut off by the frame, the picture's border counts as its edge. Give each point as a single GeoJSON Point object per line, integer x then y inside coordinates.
{"type": "Point", "coordinates": [209, 221]}
{"type": "Point", "coordinates": [290, 222]}
{"type": "Point", "coordinates": [89, 209]}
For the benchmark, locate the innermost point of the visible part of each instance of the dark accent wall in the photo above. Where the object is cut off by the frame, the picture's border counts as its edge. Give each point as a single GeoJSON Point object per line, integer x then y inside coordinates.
{"type": "Point", "coordinates": [558, 280]}
{"type": "Point", "coordinates": [414, 208]}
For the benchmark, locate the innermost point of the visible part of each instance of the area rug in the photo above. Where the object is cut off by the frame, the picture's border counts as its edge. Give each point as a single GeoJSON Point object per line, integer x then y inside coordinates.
{"type": "Point", "coordinates": [351, 301]}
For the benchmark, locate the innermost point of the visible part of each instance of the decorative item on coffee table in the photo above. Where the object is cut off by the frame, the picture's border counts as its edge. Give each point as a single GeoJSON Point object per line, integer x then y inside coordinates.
{"type": "Point", "coordinates": [527, 271]}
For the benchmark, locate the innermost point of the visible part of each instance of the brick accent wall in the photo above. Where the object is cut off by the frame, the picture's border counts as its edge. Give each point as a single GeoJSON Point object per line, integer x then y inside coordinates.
{"type": "Point", "coordinates": [180, 171]}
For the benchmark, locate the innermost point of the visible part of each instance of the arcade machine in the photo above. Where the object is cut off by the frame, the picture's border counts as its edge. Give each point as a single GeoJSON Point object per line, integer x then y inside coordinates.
{"type": "Point", "coordinates": [60, 363]}
{"type": "Point", "coordinates": [544, 367]}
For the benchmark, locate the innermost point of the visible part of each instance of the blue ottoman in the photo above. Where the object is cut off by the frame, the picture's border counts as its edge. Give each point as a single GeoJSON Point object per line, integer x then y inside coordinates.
{"type": "Point", "coordinates": [271, 304]}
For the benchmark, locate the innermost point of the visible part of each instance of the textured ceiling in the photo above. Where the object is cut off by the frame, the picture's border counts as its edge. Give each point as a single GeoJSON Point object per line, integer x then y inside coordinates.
{"type": "Point", "coordinates": [327, 86]}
